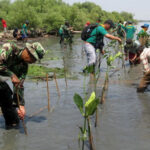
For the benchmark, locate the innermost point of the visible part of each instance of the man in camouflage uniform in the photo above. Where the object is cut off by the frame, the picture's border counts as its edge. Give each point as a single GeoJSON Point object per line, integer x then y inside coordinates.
{"type": "Point", "coordinates": [14, 64]}
{"type": "Point", "coordinates": [65, 33]}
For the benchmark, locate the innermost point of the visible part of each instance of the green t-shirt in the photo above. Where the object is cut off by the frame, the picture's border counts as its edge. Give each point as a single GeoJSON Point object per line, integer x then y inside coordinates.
{"type": "Point", "coordinates": [99, 33]}
{"type": "Point", "coordinates": [140, 33]}
{"type": "Point", "coordinates": [24, 29]}
{"type": "Point", "coordinates": [130, 31]}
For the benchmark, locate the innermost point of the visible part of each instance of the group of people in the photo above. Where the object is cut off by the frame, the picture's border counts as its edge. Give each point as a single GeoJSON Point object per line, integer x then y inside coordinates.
{"type": "Point", "coordinates": [23, 35]}
{"type": "Point", "coordinates": [135, 51]}
{"type": "Point", "coordinates": [14, 60]}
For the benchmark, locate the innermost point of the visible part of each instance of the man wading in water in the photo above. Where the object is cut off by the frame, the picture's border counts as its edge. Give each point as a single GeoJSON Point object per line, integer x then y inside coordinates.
{"type": "Point", "coordinates": [94, 41]}
{"type": "Point", "coordinates": [14, 64]}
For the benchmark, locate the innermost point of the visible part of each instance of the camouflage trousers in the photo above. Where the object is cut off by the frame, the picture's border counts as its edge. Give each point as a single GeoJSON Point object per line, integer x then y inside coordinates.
{"type": "Point", "coordinates": [6, 103]}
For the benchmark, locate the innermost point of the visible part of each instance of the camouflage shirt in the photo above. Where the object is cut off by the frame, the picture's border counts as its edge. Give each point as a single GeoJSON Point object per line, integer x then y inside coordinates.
{"type": "Point", "coordinates": [11, 62]}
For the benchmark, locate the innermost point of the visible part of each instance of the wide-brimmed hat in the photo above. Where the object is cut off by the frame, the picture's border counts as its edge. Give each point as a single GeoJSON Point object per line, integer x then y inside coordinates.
{"type": "Point", "coordinates": [36, 50]}
{"type": "Point", "coordinates": [145, 26]}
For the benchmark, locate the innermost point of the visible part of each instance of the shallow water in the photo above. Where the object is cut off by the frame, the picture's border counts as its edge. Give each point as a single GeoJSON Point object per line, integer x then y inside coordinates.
{"type": "Point", "coordinates": [124, 120]}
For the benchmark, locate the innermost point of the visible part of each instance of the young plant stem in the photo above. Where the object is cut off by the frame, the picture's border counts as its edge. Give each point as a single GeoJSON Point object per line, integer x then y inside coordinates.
{"type": "Point", "coordinates": [48, 93]}
{"type": "Point", "coordinates": [25, 129]}
{"type": "Point", "coordinates": [123, 62]}
{"type": "Point", "coordinates": [84, 126]}
{"type": "Point", "coordinates": [84, 129]}
{"type": "Point", "coordinates": [55, 78]}
{"type": "Point", "coordinates": [90, 135]}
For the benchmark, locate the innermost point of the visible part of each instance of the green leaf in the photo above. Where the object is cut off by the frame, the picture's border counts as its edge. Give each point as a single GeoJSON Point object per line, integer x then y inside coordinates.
{"type": "Point", "coordinates": [79, 102]}
{"type": "Point", "coordinates": [111, 58]}
{"type": "Point", "coordinates": [91, 105]}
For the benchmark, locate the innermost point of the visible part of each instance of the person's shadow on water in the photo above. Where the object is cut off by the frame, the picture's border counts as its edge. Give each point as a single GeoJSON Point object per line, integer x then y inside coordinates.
{"type": "Point", "coordinates": [36, 119]}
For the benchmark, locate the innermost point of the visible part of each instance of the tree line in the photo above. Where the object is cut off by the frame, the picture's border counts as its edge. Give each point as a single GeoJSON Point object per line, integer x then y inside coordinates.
{"type": "Point", "coordinates": [50, 14]}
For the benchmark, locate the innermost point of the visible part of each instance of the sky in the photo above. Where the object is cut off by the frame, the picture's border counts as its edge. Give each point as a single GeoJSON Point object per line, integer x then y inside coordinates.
{"type": "Point", "coordinates": [140, 8]}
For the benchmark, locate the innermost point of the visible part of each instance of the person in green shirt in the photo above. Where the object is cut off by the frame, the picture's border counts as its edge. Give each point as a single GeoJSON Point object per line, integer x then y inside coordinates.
{"type": "Point", "coordinates": [24, 31]}
{"type": "Point", "coordinates": [130, 30]}
{"type": "Point", "coordinates": [95, 41]}
{"type": "Point", "coordinates": [143, 31]}
{"type": "Point", "coordinates": [65, 32]}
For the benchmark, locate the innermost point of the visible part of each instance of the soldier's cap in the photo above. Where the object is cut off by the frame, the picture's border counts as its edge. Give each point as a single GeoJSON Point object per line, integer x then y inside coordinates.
{"type": "Point", "coordinates": [36, 50]}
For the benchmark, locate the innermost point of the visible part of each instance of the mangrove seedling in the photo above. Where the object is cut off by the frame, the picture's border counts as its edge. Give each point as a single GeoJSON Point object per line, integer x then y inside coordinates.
{"type": "Point", "coordinates": [109, 59]}
{"type": "Point", "coordinates": [88, 109]}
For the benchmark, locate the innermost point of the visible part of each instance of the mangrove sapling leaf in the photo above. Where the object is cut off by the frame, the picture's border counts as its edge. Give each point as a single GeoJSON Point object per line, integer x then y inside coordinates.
{"type": "Point", "coordinates": [91, 105]}
{"type": "Point", "coordinates": [79, 102]}
{"type": "Point", "coordinates": [111, 58]}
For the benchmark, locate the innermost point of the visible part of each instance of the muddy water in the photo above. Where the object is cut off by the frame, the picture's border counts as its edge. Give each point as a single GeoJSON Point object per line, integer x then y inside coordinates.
{"type": "Point", "coordinates": [124, 121]}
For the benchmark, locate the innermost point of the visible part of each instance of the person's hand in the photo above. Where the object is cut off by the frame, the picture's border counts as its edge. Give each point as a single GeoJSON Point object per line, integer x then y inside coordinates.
{"type": "Point", "coordinates": [102, 52]}
{"type": "Point", "coordinates": [15, 80]}
{"type": "Point", "coordinates": [21, 112]}
{"type": "Point", "coordinates": [119, 40]}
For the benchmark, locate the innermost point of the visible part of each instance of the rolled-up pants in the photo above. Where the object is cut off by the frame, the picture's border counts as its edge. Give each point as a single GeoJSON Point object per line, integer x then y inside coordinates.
{"type": "Point", "coordinates": [91, 53]}
{"type": "Point", "coordinates": [6, 103]}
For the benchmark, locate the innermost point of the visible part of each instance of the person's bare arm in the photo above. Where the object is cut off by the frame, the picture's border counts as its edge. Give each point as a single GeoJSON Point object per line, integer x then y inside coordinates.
{"type": "Point", "coordinates": [109, 36]}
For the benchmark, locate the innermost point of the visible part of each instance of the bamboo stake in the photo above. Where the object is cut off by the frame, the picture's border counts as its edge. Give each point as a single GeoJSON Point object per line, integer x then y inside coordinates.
{"type": "Point", "coordinates": [96, 118]}
{"type": "Point", "coordinates": [58, 91]}
{"type": "Point", "coordinates": [48, 93]}
{"type": "Point", "coordinates": [104, 89]}
{"type": "Point", "coordinates": [25, 129]}
{"type": "Point", "coordinates": [90, 135]}
{"type": "Point", "coordinates": [65, 72]}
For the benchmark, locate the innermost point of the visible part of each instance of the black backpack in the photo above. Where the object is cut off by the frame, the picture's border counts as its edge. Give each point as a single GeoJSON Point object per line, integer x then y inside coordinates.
{"type": "Point", "coordinates": [86, 33]}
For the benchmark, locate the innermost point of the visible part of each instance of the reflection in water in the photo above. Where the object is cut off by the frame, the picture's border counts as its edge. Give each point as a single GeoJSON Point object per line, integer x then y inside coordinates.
{"type": "Point", "coordinates": [9, 140]}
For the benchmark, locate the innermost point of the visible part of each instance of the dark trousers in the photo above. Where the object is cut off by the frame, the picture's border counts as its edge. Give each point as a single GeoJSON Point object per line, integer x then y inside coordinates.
{"type": "Point", "coordinates": [6, 103]}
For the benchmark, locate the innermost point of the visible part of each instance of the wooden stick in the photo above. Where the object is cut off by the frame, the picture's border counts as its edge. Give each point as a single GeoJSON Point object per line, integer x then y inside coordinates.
{"type": "Point", "coordinates": [65, 72]}
{"type": "Point", "coordinates": [96, 118]}
{"type": "Point", "coordinates": [48, 93]}
{"type": "Point", "coordinates": [56, 84]}
{"type": "Point", "coordinates": [90, 135]}
{"type": "Point", "coordinates": [25, 129]}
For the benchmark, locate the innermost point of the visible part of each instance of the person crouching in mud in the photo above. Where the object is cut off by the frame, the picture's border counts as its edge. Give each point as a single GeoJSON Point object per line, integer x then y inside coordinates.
{"type": "Point", "coordinates": [145, 81]}
{"type": "Point", "coordinates": [133, 50]}
{"type": "Point", "coordinates": [14, 64]}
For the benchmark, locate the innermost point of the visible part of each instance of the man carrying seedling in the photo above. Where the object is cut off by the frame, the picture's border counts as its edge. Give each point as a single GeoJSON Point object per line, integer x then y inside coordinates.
{"type": "Point", "coordinates": [133, 50]}
{"type": "Point", "coordinates": [94, 39]}
{"type": "Point", "coordinates": [14, 64]}
{"type": "Point", "coordinates": [145, 59]}
{"type": "Point", "coordinates": [24, 31]}
{"type": "Point", "coordinates": [4, 26]}
{"type": "Point", "coordinates": [130, 30]}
